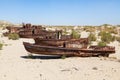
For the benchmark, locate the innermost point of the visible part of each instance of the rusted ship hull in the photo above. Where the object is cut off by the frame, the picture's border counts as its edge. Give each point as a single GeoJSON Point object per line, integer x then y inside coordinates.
{"type": "Point", "coordinates": [58, 42]}
{"type": "Point", "coordinates": [50, 42]}
{"type": "Point", "coordinates": [49, 50]}
{"type": "Point", "coordinates": [28, 36]}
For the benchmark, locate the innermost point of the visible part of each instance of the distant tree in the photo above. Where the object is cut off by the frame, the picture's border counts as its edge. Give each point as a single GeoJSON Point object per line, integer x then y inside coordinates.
{"type": "Point", "coordinates": [75, 34]}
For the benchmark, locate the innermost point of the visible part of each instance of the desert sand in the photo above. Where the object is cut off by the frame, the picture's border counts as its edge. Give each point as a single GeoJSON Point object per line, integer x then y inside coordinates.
{"type": "Point", "coordinates": [14, 65]}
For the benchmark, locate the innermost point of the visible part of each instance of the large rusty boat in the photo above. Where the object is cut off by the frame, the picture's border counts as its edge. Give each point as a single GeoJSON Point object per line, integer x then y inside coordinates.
{"type": "Point", "coordinates": [67, 50]}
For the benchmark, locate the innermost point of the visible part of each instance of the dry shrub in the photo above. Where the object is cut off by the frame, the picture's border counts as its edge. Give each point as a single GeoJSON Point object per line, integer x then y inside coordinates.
{"type": "Point", "coordinates": [13, 36]}
{"type": "Point", "coordinates": [1, 45]}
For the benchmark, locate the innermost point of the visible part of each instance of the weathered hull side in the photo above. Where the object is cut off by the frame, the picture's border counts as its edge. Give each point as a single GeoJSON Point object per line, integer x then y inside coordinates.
{"type": "Point", "coordinates": [58, 42]}
{"type": "Point", "coordinates": [28, 36]}
{"type": "Point", "coordinates": [49, 42]}
{"type": "Point", "coordinates": [47, 50]}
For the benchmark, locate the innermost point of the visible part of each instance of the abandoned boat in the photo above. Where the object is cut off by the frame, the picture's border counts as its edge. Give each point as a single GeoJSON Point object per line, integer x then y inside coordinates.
{"type": "Point", "coordinates": [69, 49]}
{"type": "Point", "coordinates": [33, 31]}
{"type": "Point", "coordinates": [26, 31]}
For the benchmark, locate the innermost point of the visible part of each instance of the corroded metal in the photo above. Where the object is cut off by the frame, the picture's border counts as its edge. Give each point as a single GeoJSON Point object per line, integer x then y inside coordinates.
{"type": "Point", "coordinates": [51, 50]}
{"type": "Point", "coordinates": [61, 42]}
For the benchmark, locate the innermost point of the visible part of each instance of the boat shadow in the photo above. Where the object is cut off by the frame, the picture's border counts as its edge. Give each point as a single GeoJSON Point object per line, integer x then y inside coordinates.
{"type": "Point", "coordinates": [44, 57]}
{"type": "Point", "coordinates": [48, 57]}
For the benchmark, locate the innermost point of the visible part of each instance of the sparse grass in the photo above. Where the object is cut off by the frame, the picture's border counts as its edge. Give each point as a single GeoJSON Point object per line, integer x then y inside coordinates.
{"type": "Point", "coordinates": [106, 37]}
{"type": "Point", "coordinates": [1, 45]}
{"type": "Point", "coordinates": [63, 56]}
{"type": "Point", "coordinates": [113, 58]}
{"type": "Point", "coordinates": [5, 44]}
{"type": "Point", "coordinates": [118, 39]}
{"type": "Point", "coordinates": [30, 56]}
{"type": "Point", "coordinates": [75, 34]}
{"type": "Point", "coordinates": [92, 37]}
{"type": "Point", "coordinates": [13, 36]}
{"type": "Point", "coordinates": [102, 44]}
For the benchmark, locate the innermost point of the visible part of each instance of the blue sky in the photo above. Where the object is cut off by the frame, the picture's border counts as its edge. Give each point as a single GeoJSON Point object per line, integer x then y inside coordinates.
{"type": "Point", "coordinates": [61, 12]}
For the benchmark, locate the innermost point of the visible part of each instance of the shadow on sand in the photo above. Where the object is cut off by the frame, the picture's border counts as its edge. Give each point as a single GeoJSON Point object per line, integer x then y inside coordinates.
{"type": "Point", "coordinates": [41, 57]}
{"type": "Point", "coordinates": [47, 57]}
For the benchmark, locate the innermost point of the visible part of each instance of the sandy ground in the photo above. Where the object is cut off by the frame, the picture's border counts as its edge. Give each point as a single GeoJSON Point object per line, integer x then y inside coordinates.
{"type": "Point", "coordinates": [15, 66]}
